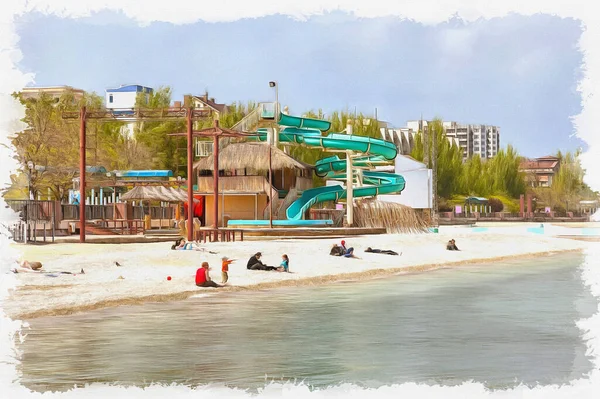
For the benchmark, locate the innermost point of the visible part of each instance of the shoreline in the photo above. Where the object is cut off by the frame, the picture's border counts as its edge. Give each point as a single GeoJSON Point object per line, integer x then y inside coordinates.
{"type": "Point", "coordinates": [310, 281]}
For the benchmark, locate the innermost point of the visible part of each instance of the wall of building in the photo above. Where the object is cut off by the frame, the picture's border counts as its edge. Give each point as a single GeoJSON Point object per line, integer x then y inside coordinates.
{"type": "Point", "coordinates": [418, 190]}
{"type": "Point", "coordinates": [120, 99]}
{"type": "Point", "coordinates": [236, 207]}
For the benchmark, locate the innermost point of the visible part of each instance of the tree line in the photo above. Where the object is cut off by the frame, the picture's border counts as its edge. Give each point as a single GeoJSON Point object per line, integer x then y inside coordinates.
{"type": "Point", "coordinates": [48, 151]}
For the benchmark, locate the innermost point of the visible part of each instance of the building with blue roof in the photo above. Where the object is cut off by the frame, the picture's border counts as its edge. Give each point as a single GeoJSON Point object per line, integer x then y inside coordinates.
{"type": "Point", "coordinates": [124, 97]}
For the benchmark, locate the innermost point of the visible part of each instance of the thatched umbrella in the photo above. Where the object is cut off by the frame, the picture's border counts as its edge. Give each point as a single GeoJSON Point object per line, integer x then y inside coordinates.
{"type": "Point", "coordinates": [155, 193]}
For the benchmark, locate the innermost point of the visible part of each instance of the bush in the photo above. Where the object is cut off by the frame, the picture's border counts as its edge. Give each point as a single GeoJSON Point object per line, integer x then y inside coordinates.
{"type": "Point", "coordinates": [495, 204]}
{"type": "Point", "coordinates": [444, 206]}
{"type": "Point", "coordinates": [559, 209]}
{"type": "Point", "coordinates": [510, 205]}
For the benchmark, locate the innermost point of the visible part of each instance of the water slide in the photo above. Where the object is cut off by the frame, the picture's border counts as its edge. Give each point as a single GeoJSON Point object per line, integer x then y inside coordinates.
{"type": "Point", "coordinates": [307, 131]}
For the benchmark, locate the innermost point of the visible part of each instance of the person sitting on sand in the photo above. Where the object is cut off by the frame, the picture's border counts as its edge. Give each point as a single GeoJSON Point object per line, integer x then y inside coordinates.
{"type": "Point", "coordinates": [254, 263]}
{"type": "Point", "coordinates": [203, 279]}
{"type": "Point", "coordinates": [348, 252]}
{"type": "Point", "coordinates": [382, 251]}
{"type": "Point", "coordinates": [284, 266]}
{"type": "Point", "coordinates": [336, 250]}
{"type": "Point", "coordinates": [451, 246]}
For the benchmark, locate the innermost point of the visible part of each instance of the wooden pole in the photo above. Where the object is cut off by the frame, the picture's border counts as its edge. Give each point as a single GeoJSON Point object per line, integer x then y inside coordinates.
{"type": "Point", "coordinates": [82, 154]}
{"type": "Point", "coordinates": [190, 173]}
{"type": "Point", "coordinates": [434, 156]}
{"type": "Point", "coordinates": [216, 177]}
{"type": "Point", "coordinates": [271, 188]}
{"type": "Point", "coordinates": [349, 181]}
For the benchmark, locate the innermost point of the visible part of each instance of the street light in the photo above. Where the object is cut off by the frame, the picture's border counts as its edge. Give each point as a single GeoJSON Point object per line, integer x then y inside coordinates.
{"type": "Point", "coordinates": [276, 86]}
{"type": "Point", "coordinates": [276, 118]}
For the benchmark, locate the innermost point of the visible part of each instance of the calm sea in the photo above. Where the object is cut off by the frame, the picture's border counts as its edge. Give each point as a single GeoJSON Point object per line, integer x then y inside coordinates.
{"type": "Point", "coordinates": [500, 324]}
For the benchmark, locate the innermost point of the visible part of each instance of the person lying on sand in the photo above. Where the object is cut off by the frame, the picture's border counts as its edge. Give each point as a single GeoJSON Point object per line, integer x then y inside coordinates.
{"type": "Point", "coordinates": [27, 267]}
{"type": "Point", "coordinates": [31, 265]}
{"type": "Point", "coordinates": [181, 244]}
{"type": "Point", "coordinates": [254, 263]}
{"type": "Point", "coordinates": [203, 278]}
{"type": "Point", "coordinates": [451, 246]}
{"type": "Point", "coordinates": [382, 251]}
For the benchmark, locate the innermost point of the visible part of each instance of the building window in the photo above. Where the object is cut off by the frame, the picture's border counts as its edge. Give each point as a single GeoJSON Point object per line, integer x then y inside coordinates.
{"type": "Point", "coordinates": [110, 98]}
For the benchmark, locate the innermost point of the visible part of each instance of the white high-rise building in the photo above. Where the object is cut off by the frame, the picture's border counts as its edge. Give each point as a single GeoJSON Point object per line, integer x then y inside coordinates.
{"type": "Point", "coordinates": [483, 140]}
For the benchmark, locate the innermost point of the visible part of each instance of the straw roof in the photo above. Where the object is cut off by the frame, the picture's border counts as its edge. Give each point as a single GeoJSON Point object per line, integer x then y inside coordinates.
{"type": "Point", "coordinates": [252, 156]}
{"type": "Point", "coordinates": [155, 193]}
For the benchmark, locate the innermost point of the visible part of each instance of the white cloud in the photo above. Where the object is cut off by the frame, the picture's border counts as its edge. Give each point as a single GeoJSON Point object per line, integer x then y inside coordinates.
{"type": "Point", "coordinates": [458, 42]}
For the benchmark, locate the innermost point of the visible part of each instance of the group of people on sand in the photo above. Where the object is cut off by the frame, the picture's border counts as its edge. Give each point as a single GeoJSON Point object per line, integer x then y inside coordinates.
{"type": "Point", "coordinates": [341, 250]}
{"type": "Point", "coordinates": [451, 245]}
{"type": "Point", "coordinates": [254, 263]}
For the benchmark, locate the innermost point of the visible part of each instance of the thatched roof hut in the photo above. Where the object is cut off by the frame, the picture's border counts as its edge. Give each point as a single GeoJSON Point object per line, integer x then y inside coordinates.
{"type": "Point", "coordinates": [253, 156]}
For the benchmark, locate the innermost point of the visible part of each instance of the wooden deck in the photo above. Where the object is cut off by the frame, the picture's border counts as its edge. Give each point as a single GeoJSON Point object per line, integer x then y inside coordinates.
{"type": "Point", "coordinates": [318, 232]}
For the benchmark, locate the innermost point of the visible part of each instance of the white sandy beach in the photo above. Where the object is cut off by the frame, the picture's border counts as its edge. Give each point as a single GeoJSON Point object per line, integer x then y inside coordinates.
{"type": "Point", "coordinates": [145, 267]}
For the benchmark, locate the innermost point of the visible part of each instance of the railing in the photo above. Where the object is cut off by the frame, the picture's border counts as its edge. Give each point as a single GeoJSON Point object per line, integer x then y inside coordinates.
{"type": "Point", "coordinates": [131, 227]}
{"type": "Point", "coordinates": [513, 215]}
{"type": "Point", "coordinates": [291, 196]}
{"type": "Point", "coordinates": [204, 148]}
{"type": "Point", "coordinates": [156, 212]}
{"type": "Point", "coordinates": [26, 232]}
{"type": "Point", "coordinates": [30, 210]}
{"type": "Point", "coordinates": [336, 215]}
{"type": "Point", "coordinates": [71, 212]}
{"type": "Point", "coordinates": [249, 121]}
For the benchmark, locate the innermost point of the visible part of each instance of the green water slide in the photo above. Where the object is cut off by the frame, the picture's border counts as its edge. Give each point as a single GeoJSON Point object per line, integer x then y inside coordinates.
{"type": "Point", "coordinates": [306, 131]}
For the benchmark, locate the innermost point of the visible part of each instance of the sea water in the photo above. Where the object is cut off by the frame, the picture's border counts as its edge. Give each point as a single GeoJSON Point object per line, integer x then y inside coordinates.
{"type": "Point", "coordinates": [500, 324]}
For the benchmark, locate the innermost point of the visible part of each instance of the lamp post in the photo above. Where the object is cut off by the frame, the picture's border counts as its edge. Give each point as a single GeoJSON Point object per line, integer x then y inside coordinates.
{"type": "Point", "coordinates": [275, 139]}
{"type": "Point", "coordinates": [276, 86]}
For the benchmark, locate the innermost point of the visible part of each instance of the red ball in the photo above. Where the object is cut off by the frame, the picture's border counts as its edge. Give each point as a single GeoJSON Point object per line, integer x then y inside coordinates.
{"type": "Point", "coordinates": [169, 278]}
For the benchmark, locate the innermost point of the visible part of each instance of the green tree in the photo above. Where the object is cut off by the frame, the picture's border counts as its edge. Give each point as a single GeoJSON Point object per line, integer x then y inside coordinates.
{"type": "Point", "coordinates": [568, 184]}
{"type": "Point", "coordinates": [449, 159]}
{"type": "Point", "coordinates": [48, 149]}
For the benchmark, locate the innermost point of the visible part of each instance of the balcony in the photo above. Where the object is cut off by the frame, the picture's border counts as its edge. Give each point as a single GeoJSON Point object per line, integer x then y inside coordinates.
{"type": "Point", "coordinates": [204, 149]}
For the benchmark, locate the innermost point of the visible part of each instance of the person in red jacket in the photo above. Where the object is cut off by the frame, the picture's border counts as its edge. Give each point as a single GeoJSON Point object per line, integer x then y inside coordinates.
{"type": "Point", "coordinates": [203, 279]}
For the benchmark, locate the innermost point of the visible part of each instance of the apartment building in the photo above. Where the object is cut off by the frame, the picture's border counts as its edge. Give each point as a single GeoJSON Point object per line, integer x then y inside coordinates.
{"type": "Point", "coordinates": [53, 91]}
{"type": "Point", "coordinates": [483, 140]}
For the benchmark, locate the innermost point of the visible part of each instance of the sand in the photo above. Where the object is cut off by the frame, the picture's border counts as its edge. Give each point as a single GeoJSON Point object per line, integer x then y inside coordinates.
{"type": "Point", "coordinates": [145, 267]}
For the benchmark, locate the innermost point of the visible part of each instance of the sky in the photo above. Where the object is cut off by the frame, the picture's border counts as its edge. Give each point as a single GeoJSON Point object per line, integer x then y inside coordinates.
{"type": "Point", "coordinates": [517, 72]}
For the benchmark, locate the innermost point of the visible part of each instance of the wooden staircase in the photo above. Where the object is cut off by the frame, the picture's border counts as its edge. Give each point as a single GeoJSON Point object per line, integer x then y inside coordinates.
{"type": "Point", "coordinates": [94, 229]}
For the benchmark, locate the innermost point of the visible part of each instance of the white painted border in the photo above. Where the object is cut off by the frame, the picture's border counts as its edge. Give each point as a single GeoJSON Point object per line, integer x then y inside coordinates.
{"type": "Point", "coordinates": [189, 11]}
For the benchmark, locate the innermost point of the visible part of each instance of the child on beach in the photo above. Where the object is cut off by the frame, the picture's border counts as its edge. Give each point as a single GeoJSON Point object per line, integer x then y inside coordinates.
{"type": "Point", "coordinates": [203, 278]}
{"type": "Point", "coordinates": [225, 262]}
{"type": "Point", "coordinates": [285, 264]}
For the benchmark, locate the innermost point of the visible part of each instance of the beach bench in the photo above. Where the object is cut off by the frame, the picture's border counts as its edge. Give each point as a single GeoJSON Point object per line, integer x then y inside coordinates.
{"type": "Point", "coordinates": [214, 235]}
